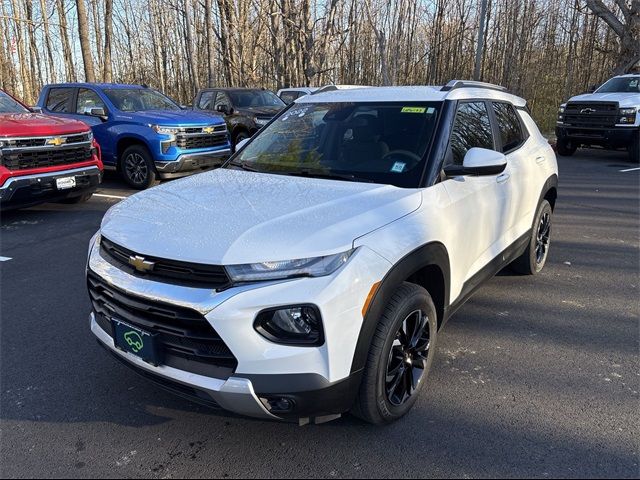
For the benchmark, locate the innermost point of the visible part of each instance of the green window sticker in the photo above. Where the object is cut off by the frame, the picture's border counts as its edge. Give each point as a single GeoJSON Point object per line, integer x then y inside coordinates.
{"type": "Point", "coordinates": [413, 109]}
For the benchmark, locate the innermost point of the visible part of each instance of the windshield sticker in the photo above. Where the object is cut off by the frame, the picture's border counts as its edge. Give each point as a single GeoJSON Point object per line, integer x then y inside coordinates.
{"type": "Point", "coordinates": [398, 167]}
{"type": "Point", "coordinates": [413, 109]}
{"type": "Point", "coordinates": [294, 112]}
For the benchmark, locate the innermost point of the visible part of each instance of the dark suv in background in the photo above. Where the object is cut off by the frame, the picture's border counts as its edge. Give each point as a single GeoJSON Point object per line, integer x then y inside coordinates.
{"type": "Point", "coordinates": [245, 110]}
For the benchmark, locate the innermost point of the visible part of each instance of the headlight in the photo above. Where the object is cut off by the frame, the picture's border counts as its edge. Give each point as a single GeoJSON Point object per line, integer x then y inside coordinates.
{"type": "Point", "coordinates": [261, 122]}
{"type": "Point", "coordinates": [164, 130]}
{"type": "Point", "coordinates": [302, 267]}
{"type": "Point", "coordinates": [95, 241]}
{"type": "Point", "coordinates": [90, 136]}
{"type": "Point", "coordinates": [627, 115]}
{"type": "Point", "coordinates": [561, 110]}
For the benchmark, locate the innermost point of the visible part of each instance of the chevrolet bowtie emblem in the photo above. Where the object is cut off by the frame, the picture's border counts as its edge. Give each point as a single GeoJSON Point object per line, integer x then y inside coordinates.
{"type": "Point", "coordinates": [56, 141]}
{"type": "Point", "coordinates": [208, 129]}
{"type": "Point", "coordinates": [140, 264]}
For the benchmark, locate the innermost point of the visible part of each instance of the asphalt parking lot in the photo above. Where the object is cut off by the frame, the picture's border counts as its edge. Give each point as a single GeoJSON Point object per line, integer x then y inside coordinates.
{"type": "Point", "coordinates": [534, 377]}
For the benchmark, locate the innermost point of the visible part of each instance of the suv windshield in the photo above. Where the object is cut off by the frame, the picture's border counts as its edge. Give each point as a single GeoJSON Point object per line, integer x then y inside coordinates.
{"type": "Point", "coordinates": [255, 98]}
{"type": "Point", "coordinates": [621, 85]}
{"type": "Point", "coordinates": [9, 105]}
{"type": "Point", "coordinates": [138, 100]}
{"type": "Point", "coordinates": [375, 142]}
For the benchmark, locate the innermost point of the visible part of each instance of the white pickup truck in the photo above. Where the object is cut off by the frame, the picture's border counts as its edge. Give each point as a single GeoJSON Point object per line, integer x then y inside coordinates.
{"type": "Point", "coordinates": [607, 118]}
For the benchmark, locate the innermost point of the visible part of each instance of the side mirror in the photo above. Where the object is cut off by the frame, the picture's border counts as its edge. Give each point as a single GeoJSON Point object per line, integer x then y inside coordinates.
{"type": "Point", "coordinates": [241, 144]}
{"type": "Point", "coordinates": [99, 112]}
{"type": "Point", "coordinates": [592, 88]}
{"type": "Point", "coordinates": [223, 108]}
{"type": "Point", "coordinates": [479, 161]}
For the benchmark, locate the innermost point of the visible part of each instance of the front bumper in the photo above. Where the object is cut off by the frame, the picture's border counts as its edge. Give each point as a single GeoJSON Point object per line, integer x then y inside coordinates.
{"type": "Point", "coordinates": [28, 190]}
{"type": "Point", "coordinates": [189, 163]}
{"type": "Point", "coordinates": [318, 381]}
{"type": "Point", "coordinates": [613, 137]}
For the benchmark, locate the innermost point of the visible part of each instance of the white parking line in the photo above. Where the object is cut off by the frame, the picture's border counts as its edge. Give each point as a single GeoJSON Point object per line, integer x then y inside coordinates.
{"type": "Point", "coordinates": [108, 196]}
{"type": "Point", "coordinates": [5, 259]}
{"type": "Point", "coordinates": [630, 169]}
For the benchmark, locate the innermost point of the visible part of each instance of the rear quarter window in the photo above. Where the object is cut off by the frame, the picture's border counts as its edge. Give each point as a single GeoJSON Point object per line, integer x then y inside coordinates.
{"type": "Point", "coordinates": [60, 100]}
{"type": "Point", "coordinates": [511, 129]}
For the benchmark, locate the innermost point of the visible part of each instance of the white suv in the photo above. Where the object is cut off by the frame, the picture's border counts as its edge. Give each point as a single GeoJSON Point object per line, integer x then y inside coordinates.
{"type": "Point", "coordinates": [310, 276]}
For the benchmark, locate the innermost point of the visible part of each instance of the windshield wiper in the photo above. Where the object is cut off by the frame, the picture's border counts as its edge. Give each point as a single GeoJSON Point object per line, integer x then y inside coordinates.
{"type": "Point", "coordinates": [328, 175]}
{"type": "Point", "coordinates": [244, 166]}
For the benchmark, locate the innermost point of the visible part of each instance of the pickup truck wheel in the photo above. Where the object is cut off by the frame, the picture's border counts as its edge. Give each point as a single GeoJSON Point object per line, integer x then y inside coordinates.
{"type": "Point", "coordinates": [634, 148]}
{"type": "Point", "coordinates": [400, 356]}
{"type": "Point", "coordinates": [137, 167]}
{"type": "Point", "coordinates": [535, 256]}
{"type": "Point", "coordinates": [565, 147]}
{"type": "Point", "coordinates": [238, 137]}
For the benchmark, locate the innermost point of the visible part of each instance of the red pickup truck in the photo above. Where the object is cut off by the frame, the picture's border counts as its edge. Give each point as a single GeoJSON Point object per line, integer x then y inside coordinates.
{"type": "Point", "coordinates": [44, 158]}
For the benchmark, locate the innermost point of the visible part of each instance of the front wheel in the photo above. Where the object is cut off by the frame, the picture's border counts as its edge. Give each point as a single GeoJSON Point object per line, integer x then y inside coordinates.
{"type": "Point", "coordinates": [535, 256]}
{"type": "Point", "coordinates": [137, 168]}
{"type": "Point", "coordinates": [400, 356]}
{"type": "Point", "coordinates": [565, 147]}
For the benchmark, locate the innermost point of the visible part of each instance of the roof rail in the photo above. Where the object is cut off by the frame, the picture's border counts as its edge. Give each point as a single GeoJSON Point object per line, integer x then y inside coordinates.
{"type": "Point", "coordinates": [454, 84]}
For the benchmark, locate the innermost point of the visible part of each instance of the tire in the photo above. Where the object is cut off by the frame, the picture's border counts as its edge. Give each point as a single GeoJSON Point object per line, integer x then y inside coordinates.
{"type": "Point", "coordinates": [565, 147]}
{"type": "Point", "coordinates": [634, 148]}
{"type": "Point", "coordinates": [390, 363]}
{"type": "Point", "coordinates": [137, 168]}
{"type": "Point", "coordinates": [534, 258]}
{"type": "Point", "coordinates": [79, 199]}
{"type": "Point", "coordinates": [238, 137]}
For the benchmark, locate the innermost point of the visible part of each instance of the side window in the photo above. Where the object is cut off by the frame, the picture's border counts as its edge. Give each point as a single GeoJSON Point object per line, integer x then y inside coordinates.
{"type": "Point", "coordinates": [509, 126]}
{"type": "Point", "coordinates": [222, 99]}
{"type": "Point", "coordinates": [206, 100]}
{"type": "Point", "coordinates": [88, 99]}
{"type": "Point", "coordinates": [288, 97]}
{"type": "Point", "coordinates": [59, 100]}
{"type": "Point", "coordinates": [472, 128]}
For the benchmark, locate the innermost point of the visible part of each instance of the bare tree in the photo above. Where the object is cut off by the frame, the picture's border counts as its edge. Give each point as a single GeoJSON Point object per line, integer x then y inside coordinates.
{"type": "Point", "coordinates": [107, 73]}
{"type": "Point", "coordinates": [627, 29]}
{"type": "Point", "coordinates": [85, 46]}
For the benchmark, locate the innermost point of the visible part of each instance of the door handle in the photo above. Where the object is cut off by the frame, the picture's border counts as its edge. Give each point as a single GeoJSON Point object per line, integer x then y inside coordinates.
{"type": "Point", "coordinates": [540, 159]}
{"type": "Point", "coordinates": [503, 178]}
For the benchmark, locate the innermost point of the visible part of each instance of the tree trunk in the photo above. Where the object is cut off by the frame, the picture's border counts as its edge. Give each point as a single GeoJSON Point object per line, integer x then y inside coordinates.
{"type": "Point", "coordinates": [85, 45]}
{"type": "Point", "coordinates": [107, 73]}
{"type": "Point", "coordinates": [70, 72]}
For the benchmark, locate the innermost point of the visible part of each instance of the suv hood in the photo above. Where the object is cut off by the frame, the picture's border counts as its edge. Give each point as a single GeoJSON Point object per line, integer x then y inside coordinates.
{"type": "Point", "coordinates": [261, 111]}
{"type": "Point", "coordinates": [226, 217]}
{"type": "Point", "coordinates": [37, 124]}
{"type": "Point", "coordinates": [624, 99]}
{"type": "Point", "coordinates": [174, 117]}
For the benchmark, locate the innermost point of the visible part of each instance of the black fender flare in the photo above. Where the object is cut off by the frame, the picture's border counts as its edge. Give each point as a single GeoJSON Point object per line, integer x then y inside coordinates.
{"type": "Point", "coordinates": [434, 253]}
{"type": "Point", "coordinates": [549, 184]}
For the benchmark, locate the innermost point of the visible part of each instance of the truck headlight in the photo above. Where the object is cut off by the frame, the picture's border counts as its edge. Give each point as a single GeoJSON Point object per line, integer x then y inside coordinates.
{"type": "Point", "coordinates": [260, 122]}
{"type": "Point", "coordinates": [627, 115]}
{"type": "Point", "coordinates": [302, 267]}
{"type": "Point", "coordinates": [164, 130]}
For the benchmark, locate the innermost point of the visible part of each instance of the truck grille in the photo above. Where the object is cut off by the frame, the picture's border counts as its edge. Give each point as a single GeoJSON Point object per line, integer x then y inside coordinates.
{"type": "Point", "coordinates": [185, 339]}
{"type": "Point", "coordinates": [196, 137]}
{"type": "Point", "coordinates": [591, 114]}
{"type": "Point", "coordinates": [168, 271]}
{"type": "Point", "coordinates": [36, 152]}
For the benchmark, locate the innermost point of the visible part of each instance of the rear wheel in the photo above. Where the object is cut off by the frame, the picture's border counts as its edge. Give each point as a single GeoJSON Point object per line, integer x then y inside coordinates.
{"type": "Point", "coordinates": [400, 356]}
{"type": "Point", "coordinates": [137, 168]}
{"type": "Point", "coordinates": [240, 136]}
{"type": "Point", "coordinates": [535, 256]}
{"type": "Point", "coordinates": [565, 147]}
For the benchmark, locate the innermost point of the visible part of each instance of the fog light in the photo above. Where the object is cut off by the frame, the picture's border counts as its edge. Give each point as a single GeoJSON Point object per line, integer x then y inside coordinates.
{"type": "Point", "coordinates": [278, 404]}
{"type": "Point", "coordinates": [295, 325]}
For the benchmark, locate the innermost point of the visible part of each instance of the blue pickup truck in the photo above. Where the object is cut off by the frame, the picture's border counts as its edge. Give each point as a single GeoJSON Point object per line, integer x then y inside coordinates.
{"type": "Point", "coordinates": [143, 134]}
